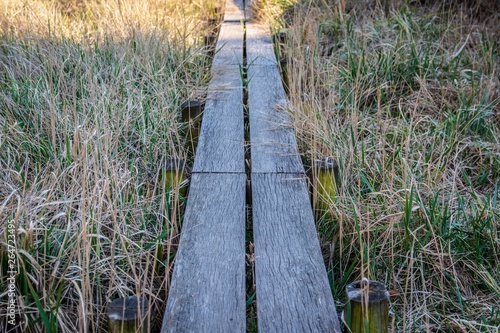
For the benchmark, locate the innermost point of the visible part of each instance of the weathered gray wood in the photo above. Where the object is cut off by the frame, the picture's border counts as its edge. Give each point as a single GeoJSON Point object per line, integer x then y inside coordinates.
{"type": "Point", "coordinates": [208, 283]}
{"type": "Point", "coordinates": [220, 145]}
{"type": "Point", "coordinates": [248, 9]}
{"type": "Point", "coordinates": [234, 11]}
{"type": "Point", "coordinates": [221, 141]}
{"type": "Point", "coordinates": [260, 49]}
{"type": "Point", "coordinates": [293, 294]}
{"type": "Point", "coordinates": [273, 143]}
{"type": "Point", "coordinates": [229, 49]}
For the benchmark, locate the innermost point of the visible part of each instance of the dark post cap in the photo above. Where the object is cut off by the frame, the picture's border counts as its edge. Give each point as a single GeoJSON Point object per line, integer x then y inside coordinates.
{"type": "Point", "coordinates": [127, 308]}
{"type": "Point", "coordinates": [210, 39]}
{"type": "Point", "coordinates": [280, 37]}
{"type": "Point", "coordinates": [190, 109]}
{"type": "Point", "coordinates": [172, 164]}
{"type": "Point", "coordinates": [327, 163]}
{"type": "Point", "coordinates": [190, 104]}
{"type": "Point", "coordinates": [376, 291]}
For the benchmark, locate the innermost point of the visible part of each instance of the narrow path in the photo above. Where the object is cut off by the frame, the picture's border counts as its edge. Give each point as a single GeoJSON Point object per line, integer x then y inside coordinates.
{"type": "Point", "coordinates": [207, 293]}
{"type": "Point", "coordinates": [293, 293]}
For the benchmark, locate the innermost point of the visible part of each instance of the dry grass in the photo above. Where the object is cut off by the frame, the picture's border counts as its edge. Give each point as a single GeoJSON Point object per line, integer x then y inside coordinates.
{"type": "Point", "coordinates": [89, 113]}
{"type": "Point", "coordinates": [408, 102]}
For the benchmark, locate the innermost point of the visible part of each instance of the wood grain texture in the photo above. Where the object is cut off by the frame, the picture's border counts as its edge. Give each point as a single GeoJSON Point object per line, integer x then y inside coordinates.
{"type": "Point", "coordinates": [293, 294]}
{"type": "Point", "coordinates": [234, 11]}
{"type": "Point", "coordinates": [259, 46]}
{"type": "Point", "coordinates": [221, 142]}
{"type": "Point", "coordinates": [229, 49]}
{"type": "Point", "coordinates": [273, 143]}
{"type": "Point", "coordinates": [208, 283]}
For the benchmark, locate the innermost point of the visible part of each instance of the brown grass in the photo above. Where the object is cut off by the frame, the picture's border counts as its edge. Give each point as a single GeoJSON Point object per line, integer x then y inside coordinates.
{"type": "Point", "coordinates": [89, 113]}
{"type": "Point", "coordinates": [407, 101]}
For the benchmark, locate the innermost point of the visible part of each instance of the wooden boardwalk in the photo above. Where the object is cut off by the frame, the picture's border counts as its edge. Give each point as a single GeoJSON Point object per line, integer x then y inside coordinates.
{"type": "Point", "coordinates": [207, 293]}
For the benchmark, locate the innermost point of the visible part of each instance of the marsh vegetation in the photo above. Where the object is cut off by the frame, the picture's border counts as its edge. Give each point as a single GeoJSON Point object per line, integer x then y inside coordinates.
{"type": "Point", "coordinates": [407, 100]}
{"type": "Point", "coordinates": [90, 95]}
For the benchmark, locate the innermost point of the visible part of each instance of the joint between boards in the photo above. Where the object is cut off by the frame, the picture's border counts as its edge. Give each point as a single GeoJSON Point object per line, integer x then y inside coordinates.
{"type": "Point", "coordinates": [251, 306]}
{"type": "Point", "coordinates": [246, 118]}
{"type": "Point", "coordinates": [301, 173]}
{"type": "Point", "coordinates": [218, 172]}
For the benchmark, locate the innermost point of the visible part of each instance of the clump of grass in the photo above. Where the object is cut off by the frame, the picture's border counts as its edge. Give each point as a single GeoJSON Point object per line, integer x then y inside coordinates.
{"type": "Point", "coordinates": [89, 112]}
{"type": "Point", "coordinates": [408, 103]}
{"type": "Point", "coordinates": [272, 12]}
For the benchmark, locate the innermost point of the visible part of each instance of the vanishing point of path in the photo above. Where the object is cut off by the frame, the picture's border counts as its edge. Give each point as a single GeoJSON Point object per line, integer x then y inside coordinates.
{"type": "Point", "coordinates": [207, 293]}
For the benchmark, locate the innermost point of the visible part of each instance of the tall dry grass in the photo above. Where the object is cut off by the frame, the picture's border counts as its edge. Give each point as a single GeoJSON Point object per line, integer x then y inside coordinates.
{"type": "Point", "coordinates": [89, 113]}
{"type": "Point", "coordinates": [408, 102]}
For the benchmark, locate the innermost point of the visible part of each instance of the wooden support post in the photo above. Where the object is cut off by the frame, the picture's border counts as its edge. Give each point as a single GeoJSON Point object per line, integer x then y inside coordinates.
{"type": "Point", "coordinates": [128, 315]}
{"type": "Point", "coordinates": [212, 23]}
{"type": "Point", "coordinates": [326, 183]}
{"type": "Point", "coordinates": [284, 74]}
{"type": "Point", "coordinates": [218, 12]}
{"type": "Point", "coordinates": [174, 176]}
{"type": "Point", "coordinates": [367, 309]}
{"type": "Point", "coordinates": [191, 110]}
{"type": "Point", "coordinates": [212, 28]}
{"type": "Point", "coordinates": [280, 39]}
{"type": "Point", "coordinates": [191, 115]}
{"type": "Point", "coordinates": [209, 41]}
{"type": "Point", "coordinates": [174, 187]}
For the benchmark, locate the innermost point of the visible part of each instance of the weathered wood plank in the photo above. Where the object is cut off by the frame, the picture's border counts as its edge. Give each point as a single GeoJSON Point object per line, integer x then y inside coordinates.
{"type": "Point", "coordinates": [221, 141]}
{"type": "Point", "coordinates": [293, 294]}
{"type": "Point", "coordinates": [273, 143]}
{"type": "Point", "coordinates": [220, 145]}
{"type": "Point", "coordinates": [274, 147]}
{"type": "Point", "coordinates": [259, 46]}
{"type": "Point", "coordinates": [234, 11]}
{"type": "Point", "coordinates": [208, 283]}
{"type": "Point", "coordinates": [229, 49]}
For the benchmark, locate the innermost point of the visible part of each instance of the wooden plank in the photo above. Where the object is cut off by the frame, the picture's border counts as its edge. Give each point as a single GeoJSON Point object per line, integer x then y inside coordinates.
{"type": "Point", "coordinates": [293, 294]}
{"type": "Point", "coordinates": [229, 46]}
{"type": "Point", "coordinates": [208, 283]}
{"type": "Point", "coordinates": [248, 9]}
{"type": "Point", "coordinates": [273, 143]}
{"type": "Point", "coordinates": [221, 141]}
{"type": "Point", "coordinates": [259, 46]}
{"type": "Point", "coordinates": [234, 11]}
